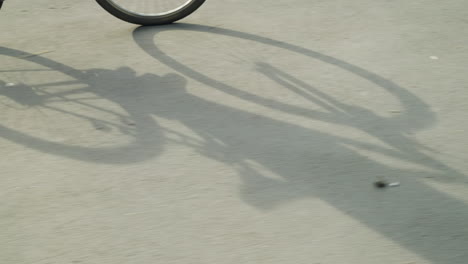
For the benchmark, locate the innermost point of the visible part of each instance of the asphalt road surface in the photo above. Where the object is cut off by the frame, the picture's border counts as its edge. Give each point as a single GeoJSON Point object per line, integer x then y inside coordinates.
{"type": "Point", "coordinates": [250, 132]}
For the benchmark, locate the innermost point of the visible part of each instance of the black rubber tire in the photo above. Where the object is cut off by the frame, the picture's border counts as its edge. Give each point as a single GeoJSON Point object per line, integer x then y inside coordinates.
{"type": "Point", "coordinates": [149, 20]}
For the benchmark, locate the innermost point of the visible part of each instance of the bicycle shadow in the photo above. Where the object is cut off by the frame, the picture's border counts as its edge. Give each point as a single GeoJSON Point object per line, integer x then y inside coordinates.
{"type": "Point", "coordinates": [315, 164]}
{"type": "Point", "coordinates": [310, 163]}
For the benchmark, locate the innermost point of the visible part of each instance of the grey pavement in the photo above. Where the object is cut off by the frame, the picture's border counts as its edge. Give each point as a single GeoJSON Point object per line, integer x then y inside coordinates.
{"type": "Point", "coordinates": [250, 132]}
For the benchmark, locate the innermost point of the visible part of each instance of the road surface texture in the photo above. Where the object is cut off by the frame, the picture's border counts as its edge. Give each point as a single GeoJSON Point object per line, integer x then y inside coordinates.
{"type": "Point", "coordinates": [250, 132]}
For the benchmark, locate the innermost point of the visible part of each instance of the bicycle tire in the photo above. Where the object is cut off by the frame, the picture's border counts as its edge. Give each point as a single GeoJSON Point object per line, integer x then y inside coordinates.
{"type": "Point", "coordinates": [150, 19]}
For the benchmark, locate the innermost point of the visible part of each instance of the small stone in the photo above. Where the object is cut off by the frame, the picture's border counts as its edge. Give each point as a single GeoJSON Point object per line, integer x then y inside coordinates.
{"type": "Point", "coordinates": [380, 184]}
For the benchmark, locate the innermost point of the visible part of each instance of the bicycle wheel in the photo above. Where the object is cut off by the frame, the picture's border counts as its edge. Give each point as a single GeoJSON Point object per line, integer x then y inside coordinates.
{"type": "Point", "coordinates": [150, 12]}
